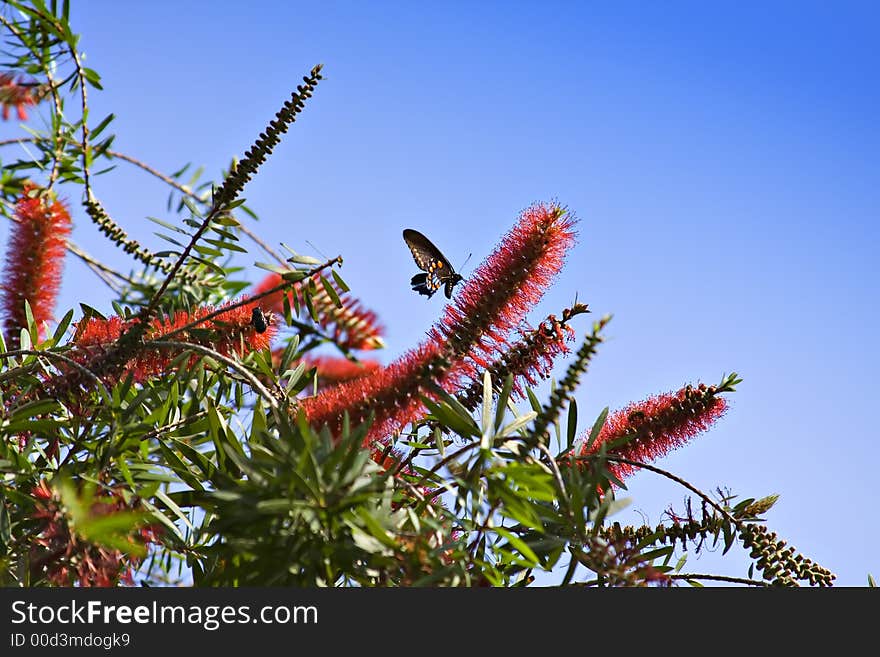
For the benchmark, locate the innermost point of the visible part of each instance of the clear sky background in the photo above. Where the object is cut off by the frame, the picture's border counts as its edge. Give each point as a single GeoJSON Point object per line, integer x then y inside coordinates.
{"type": "Point", "coordinates": [721, 157]}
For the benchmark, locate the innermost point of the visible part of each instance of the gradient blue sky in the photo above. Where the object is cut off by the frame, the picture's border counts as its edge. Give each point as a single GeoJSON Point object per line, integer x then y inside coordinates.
{"type": "Point", "coordinates": [721, 158]}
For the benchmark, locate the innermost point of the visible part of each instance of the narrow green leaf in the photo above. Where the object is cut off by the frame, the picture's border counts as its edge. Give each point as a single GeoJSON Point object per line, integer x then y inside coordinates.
{"type": "Point", "coordinates": [451, 419]}
{"type": "Point", "coordinates": [501, 403]}
{"type": "Point", "coordinates": [179, 467]}
{"type": "Point", "coordinates": [303, 260]}
{"type": "Point", "coordinates": [487, 403]}
{"type": "Point", "coordinates": [294, 376]}
{"type": "Point", "coordinates": [176, 510]}
{"type": "Point", "coordinates": [226, 245]}
{"type": "Point", "coordinates": [328, 288]}
{"type": "Point", "coordinates": [168, 225]}
{"type": "Point", "coordinates": [93, 77]}
{"type": "Point", "coordinates": [519, 544]}
{"type": "Point", "coordinates": [517, 424]}
{"type": "Point", "coordinates": [533, 400]}
{"type": "Point", "coordinates": [597, 427]}
{"type": "Point", "coordinates": [307, 298]}
{"type": "Point", "coordinates": [5, 525]}
{"type": "Point", "coordinates": [103, 124]}
{"type": "Point", "coordinates": [571, 428]}
{"type": "Point", "coordinates": [339, 282]}
{"type": "Point", "coordinates": [439, 442]}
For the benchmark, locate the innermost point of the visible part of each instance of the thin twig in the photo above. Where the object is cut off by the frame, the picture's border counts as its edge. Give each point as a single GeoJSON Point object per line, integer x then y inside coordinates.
{"type": "Point", "coordinates": [720, 578]}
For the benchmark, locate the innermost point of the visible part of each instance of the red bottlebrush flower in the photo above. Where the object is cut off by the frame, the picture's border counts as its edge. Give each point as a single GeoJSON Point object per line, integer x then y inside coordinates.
{"type": "Point", "coordinates": [352, 326]}
{"type": "Point", "coordinates": [15, 94]}
{"type": "Point", "coordinates": [503, 289]}
{"type": "Point", "coordinates": [392, 392]}
{"type": "Point", "coordinates": [230, 332]}
{"type": "Point", "coordinates": [65, 558]}
{"type": "Point", "coordinates": [37, 245]}
{"type": "Point", "coordinates": [333, 370]}
{"type": "Point", "coordinates": [657, 425]}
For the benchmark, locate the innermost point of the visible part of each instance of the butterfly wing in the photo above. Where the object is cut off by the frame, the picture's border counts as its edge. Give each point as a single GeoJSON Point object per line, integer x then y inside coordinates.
{"type": "Point", "coordinates": [430, 260]}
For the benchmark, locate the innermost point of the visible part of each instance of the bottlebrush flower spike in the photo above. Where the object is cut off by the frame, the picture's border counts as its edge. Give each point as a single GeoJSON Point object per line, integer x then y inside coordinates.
{"type": "Point", "coordinates": [505, 287]}
{"type": "Point", "coordinates": [68, 559]}
{"type": "Point", "coordinates": [475, 325]}
{"type": "Point", "coordinates": [230, 332]}
{"type": "Point", "coordinates": [34, 262]}
{"type": "Point", "coordinates": [15, 94]}
{"type": "Point", "coordinates": [392, 392]}
{"type": "Point", "coordinates": [658, 425]}
{"type": "Point", "coordinates": [351, 327]}
{"type": "Point", "coordinates": [333, 370]}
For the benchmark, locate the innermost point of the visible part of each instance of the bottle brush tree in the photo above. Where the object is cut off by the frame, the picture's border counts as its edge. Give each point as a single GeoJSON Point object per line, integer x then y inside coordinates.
{"type": "Point", "coordinates": [210, 429]}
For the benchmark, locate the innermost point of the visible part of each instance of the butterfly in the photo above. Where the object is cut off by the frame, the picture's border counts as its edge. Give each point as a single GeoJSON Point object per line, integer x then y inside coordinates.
{"type": "Point", "coordinates": [260, 320]}
{"type": "Point", "coordinates": [429, 259]}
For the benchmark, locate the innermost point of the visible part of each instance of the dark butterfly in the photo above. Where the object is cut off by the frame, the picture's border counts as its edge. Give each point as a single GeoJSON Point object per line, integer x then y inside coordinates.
{"type": "Point", "coordinates": [429, 259]}
{"type": "Point", "coordinates": [260, 320]}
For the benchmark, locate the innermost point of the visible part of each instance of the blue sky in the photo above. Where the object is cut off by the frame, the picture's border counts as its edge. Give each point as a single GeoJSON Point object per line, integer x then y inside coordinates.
{"type": "Point", "coordinates": [721, 158]}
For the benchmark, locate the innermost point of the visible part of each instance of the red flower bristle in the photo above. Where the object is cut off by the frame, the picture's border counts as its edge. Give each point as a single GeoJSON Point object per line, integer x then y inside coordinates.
{"type": "Point", "coordinates": [231, 333]}
{"type": "Point", "coordinates": [391, 392]}
{"type": "Point", "coordinates": [657, 425]}
{"type": "Point", "coordinates": [508, 284]}
{"type": "Point", "coordinates": [352, 326]}
{"type": "Point", "coordinates": [18, 94]}
{"type": "Point", "coordinates": [333, 370]}
{"type": "Point", "coordinates": [34, 263]}
{"type": "Point", "coordinates": [65, 558]}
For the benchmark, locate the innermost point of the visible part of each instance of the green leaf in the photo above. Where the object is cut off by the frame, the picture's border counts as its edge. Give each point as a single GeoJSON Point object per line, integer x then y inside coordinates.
{"type": "Point", "coordinates": [103, 124]}
{"type": "Point", "coordinates": [93, 77]}
{"type": "Point", "coordinates": [176, 510]}
{"type": "Point", "coordinates": [208, 251]}
{"type": "Point", "coordinates": [571, 427]}
{"type": "Point", "coordinates": [487, 404]}
{"type": "Point", "coordinates": [307, 298]}
{"type": "Point", "coordinates": [61, 329]}
{"type": "Point", "coordinates": [334, 297]}
{"type": "Point", "coordinates": [656, 553]}
{"type": "Point", "coordinates": [339, 282]}
{"type": "Point", "coordinates": [439, 442]}
{"type": "Point", "coordinates": [31, 323]}
{"type": "Point", "coordinates": [226, 245]}
{"type": "Point", "coordinates": [609, 507]}
{"type": "Point", "coordinates": [294, 375]}
{"type": "Point", "coordinates": [517, 424]}
{"type": "Point", "coordinates": [519, 544]}
{"type": "Point", "coordinates": [168, 225]}
{"type": "Point", "coordinates": [682, 560]}
{"type": "Point", "coordinates": [113, 530]}
{"type": "Point", "coordinates": [501, 404]}
{"type": "Point", "coordinates": [376, 530]}
{"type": "Point", "coordinates": [450, 401]}
{"type": "Point", "coordinates": [451, 419]}
{"type": "Point", "coordinates": [533, 400]}
{"type": "Point", "coordinates": [303, 260]}
{"type": "Point", "coordinates": [5, 525]}
{"type": "Point", "coordinates": [597, 427]}
{"type": "Point", "coordinates": [179, 467]}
